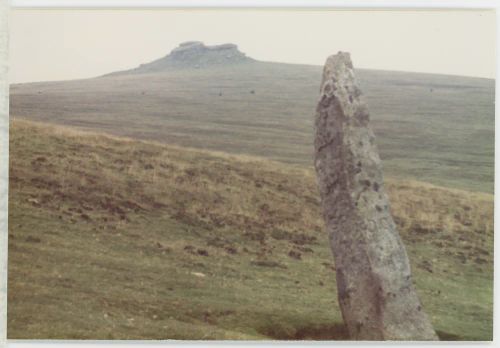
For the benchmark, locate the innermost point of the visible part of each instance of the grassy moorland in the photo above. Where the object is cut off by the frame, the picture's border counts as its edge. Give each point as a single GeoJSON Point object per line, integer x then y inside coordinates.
{"type": "Point", "coordinates": [433, 128]}
{"type": "Point", "coordinates": [114, 238]}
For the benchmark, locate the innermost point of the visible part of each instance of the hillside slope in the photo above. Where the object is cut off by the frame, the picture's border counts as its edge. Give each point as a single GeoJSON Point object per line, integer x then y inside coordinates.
{"type": "Point", "coordinates": [433, 128]}
{"type": "Point", "coordinates": [113, 238]}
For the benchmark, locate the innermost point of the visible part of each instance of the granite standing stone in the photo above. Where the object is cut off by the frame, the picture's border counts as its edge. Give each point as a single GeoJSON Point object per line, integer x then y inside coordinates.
{"type": "Point", "coordinates": [375, 290]}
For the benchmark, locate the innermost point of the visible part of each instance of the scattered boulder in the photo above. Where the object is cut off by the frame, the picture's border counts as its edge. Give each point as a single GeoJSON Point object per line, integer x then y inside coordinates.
{"type": "Point", "coordinates": [31, 239]}
{"type": "Point", "coordinates": [267, 263]}
{"type": "Point", "coordinates": [34, 201]}
{"type": "Point", "coordinates": [426, 265]}
{"type": "Point", "coordinates": [190, 249]}
{"type": "Point", "coordinates": [231, 250]}
{"type": "Point", "coordinates": [198, 274]}
{"type": "Point", "coordinates": [85, 217]}
{"type": "Point", "coordinates": [295, 255]}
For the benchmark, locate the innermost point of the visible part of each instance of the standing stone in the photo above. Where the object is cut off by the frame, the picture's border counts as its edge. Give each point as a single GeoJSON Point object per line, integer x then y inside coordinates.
{"type": "Point", "coordinates": [375, 291]}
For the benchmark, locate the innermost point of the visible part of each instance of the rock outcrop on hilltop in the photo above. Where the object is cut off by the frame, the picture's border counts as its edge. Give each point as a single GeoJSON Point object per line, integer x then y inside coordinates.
{"type": "Point", "coordinates": [375, 288]}
{"type": "Point", "coordinates": [195, 55]}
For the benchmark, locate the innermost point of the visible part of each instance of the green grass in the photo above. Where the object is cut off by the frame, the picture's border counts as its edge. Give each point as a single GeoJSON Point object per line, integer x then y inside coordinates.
{"type": "Point", "coordinates": [113, 238]}
{"type": "Point", "coordinates": [433, 128]}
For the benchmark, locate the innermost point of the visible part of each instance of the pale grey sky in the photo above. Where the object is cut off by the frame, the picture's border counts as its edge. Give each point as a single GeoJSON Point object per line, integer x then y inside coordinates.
{"type": "Point", "coordinates": [69, 44]}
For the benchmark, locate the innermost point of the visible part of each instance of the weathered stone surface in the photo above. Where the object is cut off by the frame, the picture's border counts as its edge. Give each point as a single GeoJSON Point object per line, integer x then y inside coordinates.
{"type": "Point", "coordinates": [375, 290]}
{"type": "Point", "coordinates": [195, 53]}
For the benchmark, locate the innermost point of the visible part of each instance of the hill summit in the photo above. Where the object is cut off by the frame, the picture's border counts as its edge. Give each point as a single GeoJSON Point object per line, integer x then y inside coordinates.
{"type": "Point", "coordinates": [196, 55]}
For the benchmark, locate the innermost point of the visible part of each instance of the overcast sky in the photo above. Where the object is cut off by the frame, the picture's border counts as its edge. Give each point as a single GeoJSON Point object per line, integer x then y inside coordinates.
{"type": "Point", "coordinates": [68, 44]}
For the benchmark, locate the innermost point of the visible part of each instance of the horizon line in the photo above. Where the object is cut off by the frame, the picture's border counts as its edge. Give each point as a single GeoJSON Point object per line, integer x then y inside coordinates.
{"type": "Point", "coordinates": [260, 61]}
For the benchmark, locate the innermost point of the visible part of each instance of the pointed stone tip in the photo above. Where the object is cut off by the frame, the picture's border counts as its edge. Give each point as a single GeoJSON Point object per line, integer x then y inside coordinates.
{"type": "Point", "coordinates": [340, 58]}
{"type": "Point", "coordinates": [337, 66]}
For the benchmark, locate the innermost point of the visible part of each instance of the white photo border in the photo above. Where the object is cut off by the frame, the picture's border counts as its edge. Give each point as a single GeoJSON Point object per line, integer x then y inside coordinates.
{"type": "Point", "coordinates": [205, 4]}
